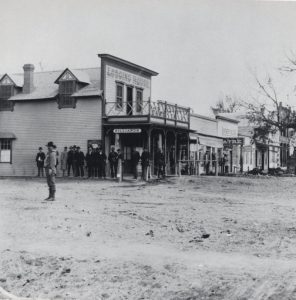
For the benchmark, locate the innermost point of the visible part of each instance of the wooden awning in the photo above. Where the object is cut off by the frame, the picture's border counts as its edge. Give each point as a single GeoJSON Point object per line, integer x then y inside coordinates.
{"type": "Point", "coordinates": [7, 135]}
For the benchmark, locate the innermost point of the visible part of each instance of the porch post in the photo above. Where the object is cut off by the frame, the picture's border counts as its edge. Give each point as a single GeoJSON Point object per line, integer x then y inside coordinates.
{"type": "Point", "coordinates": [149, 149]}
{"type": "Point", "coordinates": [165, 152]}
{"type": "Point", "coordinates": [241, 159]}
{"type": "Point", "coordinates": [175, 158]}
{"type": "Point", "coordinates": [211, 160]}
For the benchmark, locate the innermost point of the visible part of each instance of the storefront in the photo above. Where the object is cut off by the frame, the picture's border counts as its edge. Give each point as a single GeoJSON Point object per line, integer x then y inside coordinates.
{"type": "Point", "coordinates": [132, 121]}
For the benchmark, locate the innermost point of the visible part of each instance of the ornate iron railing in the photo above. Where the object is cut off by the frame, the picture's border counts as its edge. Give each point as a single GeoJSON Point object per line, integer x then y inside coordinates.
{"type": "Point", "coordinates": [158, 109]}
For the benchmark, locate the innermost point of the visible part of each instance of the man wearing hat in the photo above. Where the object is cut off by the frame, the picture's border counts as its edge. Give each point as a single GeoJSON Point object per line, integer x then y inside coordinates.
{"type": "Point", "coordinates": [40, 157]}
{"type": "Point", "coordinates": [50, 170]}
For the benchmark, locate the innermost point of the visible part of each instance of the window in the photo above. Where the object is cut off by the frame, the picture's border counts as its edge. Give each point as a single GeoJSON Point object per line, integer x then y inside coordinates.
{"type": "Point", "coordinates": [139, 100]}
{"type": "Point", "coordinates": [66, 89]}
{"type": "Point", "coordinates": [6, 105]}
{"type": "Point", "coordinates": [119, 95]}
{"type": "Point", "coordinates": [5, 151]}
{"type": "Point", "coordinates": [6, 91]}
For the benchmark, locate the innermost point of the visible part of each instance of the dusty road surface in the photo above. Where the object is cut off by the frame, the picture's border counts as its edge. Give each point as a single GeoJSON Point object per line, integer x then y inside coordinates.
{"type": "Point", "coordinates": [183, 238]}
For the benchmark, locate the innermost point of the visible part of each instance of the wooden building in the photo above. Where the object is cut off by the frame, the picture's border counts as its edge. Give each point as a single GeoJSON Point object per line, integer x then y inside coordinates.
{"type": "Point", "coordinates": [108, 105]}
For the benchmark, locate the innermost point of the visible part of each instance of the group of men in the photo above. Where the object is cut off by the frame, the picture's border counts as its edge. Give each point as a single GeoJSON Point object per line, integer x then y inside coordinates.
{"type": "Point", "coordinates": [74, 161]}
{"type": "Point", "coordinates": [95, 163]}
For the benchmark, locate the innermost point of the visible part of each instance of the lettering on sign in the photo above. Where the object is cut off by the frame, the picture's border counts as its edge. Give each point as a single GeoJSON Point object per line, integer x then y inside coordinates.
{"type": "Point", "coordinates": [127, 77]}
{"type": "Point", "coordinates": [228, 132]}
{"type": "Point", "coordinates": [127, 130]}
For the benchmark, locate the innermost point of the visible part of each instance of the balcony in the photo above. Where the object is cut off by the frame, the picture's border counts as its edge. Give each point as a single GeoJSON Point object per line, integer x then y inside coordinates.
{"type": "Point", "coordinates": [159, 112]}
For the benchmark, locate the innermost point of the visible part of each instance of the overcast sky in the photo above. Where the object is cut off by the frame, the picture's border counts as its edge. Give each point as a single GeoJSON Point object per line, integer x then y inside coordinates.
{"type": "Point", "coordinates": [202, 49]}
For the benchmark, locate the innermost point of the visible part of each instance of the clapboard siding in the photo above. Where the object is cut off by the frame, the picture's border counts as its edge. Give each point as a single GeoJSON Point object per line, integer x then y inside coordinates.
{"type": "Point", "coordinates": [36, 122]}
{"type": "Point", "coordinates": [110, 87]}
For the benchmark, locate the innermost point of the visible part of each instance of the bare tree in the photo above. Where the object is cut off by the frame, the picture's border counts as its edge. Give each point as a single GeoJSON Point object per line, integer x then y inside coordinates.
{"type": "Point", "coordinates": [271, 115]}
{"type": "Point", "coordinates": [226, 104]}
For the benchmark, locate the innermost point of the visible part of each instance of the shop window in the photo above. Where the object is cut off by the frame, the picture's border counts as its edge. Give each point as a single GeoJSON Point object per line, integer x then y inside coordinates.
{"type": "Point", "coordinates": [5, 150]}
{"type": "Point", "coordinates": [119, 95]}
{"type": "Point", "coordinates": [66, 89]}
{"type": "Point", "coordinates": [139, 100]}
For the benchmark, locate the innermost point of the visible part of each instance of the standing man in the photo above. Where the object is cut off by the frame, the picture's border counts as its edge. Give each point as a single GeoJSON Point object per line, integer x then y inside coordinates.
{"type": "Point", "coordinates": [135, 160]}
{"type": "Point", "coordinates": [80, 162]}
{"type": "Point", "coordinates": [159, 160]}
{"type": "Point", "coordinates": [70, 161]}
{"type": "Point", "coordinates": [75, 161]}
{"type": "Point", "coordinates": [50, 170]}
{"type": "Point", "coordinates": [40, 157]}
{"type": "Point", "coordinates": [89, 162]}
{"type": "Point", "coordinates": [113, 159]}
{"type": "Point", "coordinates": [102, 161]}
{"type": "Point", "coordinates": [64, 159]}
{"type": "Point", "coordinates": [145, 163]}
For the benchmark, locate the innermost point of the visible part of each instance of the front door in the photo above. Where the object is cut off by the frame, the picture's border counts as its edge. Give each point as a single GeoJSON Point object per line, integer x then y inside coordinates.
{"type": "Point", "coordinates": [129, 100]}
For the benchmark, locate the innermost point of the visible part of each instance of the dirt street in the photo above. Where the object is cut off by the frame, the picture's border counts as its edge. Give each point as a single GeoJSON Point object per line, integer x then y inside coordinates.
{"type": "Point", "coordinates": [183, 238]}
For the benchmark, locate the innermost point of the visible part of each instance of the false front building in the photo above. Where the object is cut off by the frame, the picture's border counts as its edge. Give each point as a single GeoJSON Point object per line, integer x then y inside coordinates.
{"type": "Point", "coordinates": [132, 120]}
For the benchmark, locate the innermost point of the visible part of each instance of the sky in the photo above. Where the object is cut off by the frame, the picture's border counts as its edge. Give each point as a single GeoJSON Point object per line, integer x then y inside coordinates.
{"type": "Point", "coordinates": [202, 50]}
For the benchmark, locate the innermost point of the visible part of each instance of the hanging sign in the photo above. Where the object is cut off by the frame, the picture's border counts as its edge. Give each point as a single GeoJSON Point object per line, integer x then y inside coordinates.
{"type": "Point", "coordinates": [127, 130]}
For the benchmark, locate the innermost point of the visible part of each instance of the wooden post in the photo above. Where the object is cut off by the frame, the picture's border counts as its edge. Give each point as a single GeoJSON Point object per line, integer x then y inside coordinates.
{"type": "Point", "coordinates": [165, 153]}
{"type": "Point", "coordinates": [179, 168]}
{"type": "Point", "coordinates": [197, 168]}
{"type": "Point", "coordinates": [211, 160]}
{"type": "Point", "coordinates": [176, 137]}
{"type": "Point", "coordinates": [119, 170]}
{"type": "Point", "coordinates": [217, 167]}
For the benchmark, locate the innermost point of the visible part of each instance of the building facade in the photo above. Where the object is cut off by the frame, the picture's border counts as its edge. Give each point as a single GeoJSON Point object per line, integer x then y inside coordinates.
{"type": "Point", "coordinates": [37, 107]}
{"type": "Point", "coordinates": [107, 106]}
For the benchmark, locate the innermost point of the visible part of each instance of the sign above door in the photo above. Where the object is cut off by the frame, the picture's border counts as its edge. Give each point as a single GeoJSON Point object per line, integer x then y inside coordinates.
{"type": "Point", "coordinates": [127, 130]}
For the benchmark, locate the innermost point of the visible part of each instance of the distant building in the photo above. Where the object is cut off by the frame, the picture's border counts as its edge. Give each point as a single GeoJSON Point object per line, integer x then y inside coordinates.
{"type": "Point", "coordinates": [216, 140]}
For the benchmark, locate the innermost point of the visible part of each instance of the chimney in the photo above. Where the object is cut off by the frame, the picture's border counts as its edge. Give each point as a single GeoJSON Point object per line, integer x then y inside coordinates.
{"type": "Point", "coordinates": [28, 78]}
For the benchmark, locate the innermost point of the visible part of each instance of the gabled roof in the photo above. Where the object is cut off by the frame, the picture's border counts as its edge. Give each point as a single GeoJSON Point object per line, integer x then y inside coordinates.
{"type": "Point", "coordinates": [79, 75]}
{"type": "Point", "coordinates": [128, 63]}
{"type": "Point", "coordinates": [17, 80]}
{"type": "Point", "coordinates": [46, 88]}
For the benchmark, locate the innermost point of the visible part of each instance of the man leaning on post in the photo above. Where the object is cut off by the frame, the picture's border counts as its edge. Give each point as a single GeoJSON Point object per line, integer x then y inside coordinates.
{"type": "Point", "coordinates": [50, 170]}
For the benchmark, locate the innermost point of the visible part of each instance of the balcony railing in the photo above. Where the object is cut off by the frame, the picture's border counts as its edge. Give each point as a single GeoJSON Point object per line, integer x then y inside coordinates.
{"type": "Point", "coordinates": [158, 109]}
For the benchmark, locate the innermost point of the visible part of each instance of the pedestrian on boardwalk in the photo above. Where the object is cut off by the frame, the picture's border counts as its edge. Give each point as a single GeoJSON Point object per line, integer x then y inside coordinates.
{"type": "Point", "coordinates": [40, 157]}
{"type": "Point", "coordinates": [64, 159]}
{"type": "Point", "coordinates": [145, 163]}
{"type": "Point", "coordinates": [113, 160]}
{"type": "Point", "coordinates": [135, 161]}
{"type": "Point", "coordinates": [50, 170]}
{"type": "Point", "coordinates": [102, 162]}
{"type": "Point", "coordinates": [70, 158]}
{"type": "Point", "coordinates": [89, 162]}
{"type": "Point", "coordinates": [80, 162]}
{"type": "Point", "coordinates": [159, 161]}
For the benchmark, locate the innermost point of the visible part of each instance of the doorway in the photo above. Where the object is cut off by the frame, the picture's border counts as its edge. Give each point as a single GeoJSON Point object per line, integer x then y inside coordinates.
{"type": "Point", "coordinates": [129, 100]}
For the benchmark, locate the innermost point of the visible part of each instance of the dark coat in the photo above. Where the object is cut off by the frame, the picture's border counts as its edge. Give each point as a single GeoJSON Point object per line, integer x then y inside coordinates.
{"type": "Point", "coordinates": [135, 157]}
{"type": "Point", "coordinates": [113, 157]}
{"type": "Point", "coordinates": [80, 158]}
{"type": "Point", "coordinates": [145, 158]}
{"type": "Point", "coordinates": [159, 158]}
{"type": "Point", "coordinates": [89, 159]}
{"type": "Point", "coordinates": [40, 157]}
{"type": "Point", "coordinates": [70, 157]}
{"type": "Point", "coordinates": [102, 158]}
